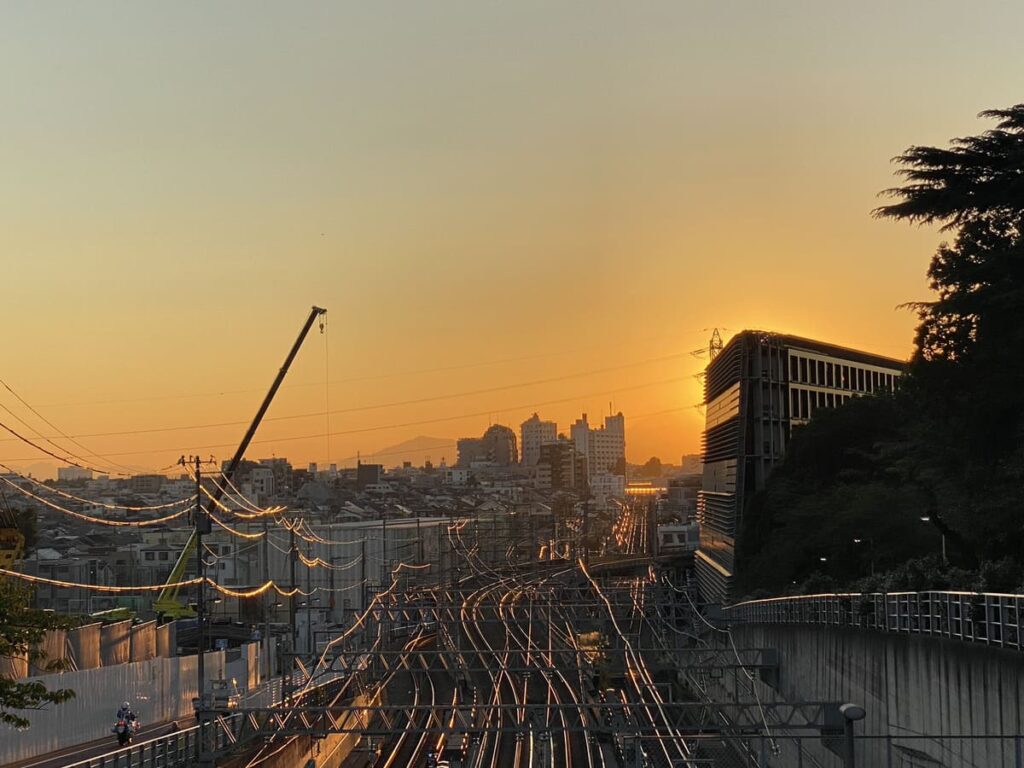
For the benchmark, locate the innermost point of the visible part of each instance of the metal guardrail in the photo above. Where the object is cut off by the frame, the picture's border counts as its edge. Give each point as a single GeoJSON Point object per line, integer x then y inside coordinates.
{"type": "Point", "coordinates": [988, 618]}
{"type": "Point", "coordinates": [180, 748]}
{"type": "Point", "coordinates": [175, 749]}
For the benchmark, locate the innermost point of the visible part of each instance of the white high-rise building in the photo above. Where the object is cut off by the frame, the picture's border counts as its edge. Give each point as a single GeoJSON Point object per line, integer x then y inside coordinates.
{"type": "Point", "coordinates": [71, 474]}
{"type": "Point", "coordinates": [533, 434]}
{"type": "Point", "coordinates": [605, 447]}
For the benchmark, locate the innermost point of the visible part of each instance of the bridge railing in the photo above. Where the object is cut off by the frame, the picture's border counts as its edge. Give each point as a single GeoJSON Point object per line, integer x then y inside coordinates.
{"type": "Point", "coordinates": [176, 749]}
{"type": "Point", "coordinates": [989, 618]}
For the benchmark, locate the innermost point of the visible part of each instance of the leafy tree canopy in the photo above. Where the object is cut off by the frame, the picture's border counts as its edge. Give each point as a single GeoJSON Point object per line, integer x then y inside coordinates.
{"type": "Point", "coordinates": [21, 630]}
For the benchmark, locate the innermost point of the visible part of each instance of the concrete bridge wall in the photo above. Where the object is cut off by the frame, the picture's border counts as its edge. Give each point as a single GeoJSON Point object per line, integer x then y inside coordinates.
{"type": "Point", "coordinates": [910, 686]}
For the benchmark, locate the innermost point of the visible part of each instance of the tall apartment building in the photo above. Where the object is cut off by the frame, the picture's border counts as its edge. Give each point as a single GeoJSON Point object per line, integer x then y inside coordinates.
{"type": "Point", "coordinates": [605, 447]}
{"type": "Point", "coordinates": [497, 446]}
{"type": "Point", "coordinates": [561, 467]}
{"type": "Point", "coordinates": [533, 434]}
{"type": "Point", "coordinates": [756, 390]}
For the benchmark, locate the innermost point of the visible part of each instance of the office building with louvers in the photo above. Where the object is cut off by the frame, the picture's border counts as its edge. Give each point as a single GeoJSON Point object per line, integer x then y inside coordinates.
{"type": "Point", "coordinates": [756, 389]}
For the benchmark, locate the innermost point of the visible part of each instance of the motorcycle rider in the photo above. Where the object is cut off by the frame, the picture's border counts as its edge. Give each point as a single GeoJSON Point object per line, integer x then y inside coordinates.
{"type": "Point", "coordinates": [125, 713]}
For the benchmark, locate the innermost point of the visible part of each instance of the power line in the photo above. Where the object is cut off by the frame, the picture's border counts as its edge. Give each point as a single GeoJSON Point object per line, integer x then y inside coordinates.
{"type": "Point", "coordinates": [347, 380]}
{"type": "Point", "coordinates": [53, 426]}
{"type": "Point", "coordinates": [399, 403]}
{"type": "Point", "coordinates": [90, 518]}
{"type": "Point", "coordinates": [376, 428]}
{"type": "Point", "coordinates": [94, 503]}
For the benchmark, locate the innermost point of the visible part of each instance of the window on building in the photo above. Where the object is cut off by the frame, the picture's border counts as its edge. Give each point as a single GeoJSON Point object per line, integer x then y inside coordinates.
{"type": "Point", "coordinates": [149, 556]}
{"type": "Point", "coordinates": [830, 378]}
{"type": "Point", "coordinates": [831, 400]}
{"type": "Point", "coordinates": [794, 369]}
{"type": "Point", "coordinates": [813, 379]}
{"type": "Point", "coordinates": [164, 556]}
{"type": "Point", "coordinates": [804, 408]}
{"type": "Point", "coordinates": [794, 403]}
{"type": "Point", "coordinates": [860, 380]}
{"type": "Point", "coordinates": [821, 371]}
{"type": "Point", "coordinates": [803, 370]}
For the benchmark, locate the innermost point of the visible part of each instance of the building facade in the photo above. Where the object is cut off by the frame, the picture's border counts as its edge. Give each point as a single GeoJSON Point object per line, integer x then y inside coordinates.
{"type": "Point", "coordinates": [561, 467]}
{"type": "Point", "coordinates": [73, 474]}
{"type": "Point", "coordinates": [756, 390]}
{"type": "Point", "coordinates": [605, 447]}
{"type": "Point", "coordinates": [497, 446]}
{"type": "Point", "coordinates": [534, 432]}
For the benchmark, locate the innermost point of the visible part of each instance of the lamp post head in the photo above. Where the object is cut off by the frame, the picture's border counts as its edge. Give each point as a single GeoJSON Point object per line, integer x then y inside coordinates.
{"type": "Point", "coordinates": [852, 712]}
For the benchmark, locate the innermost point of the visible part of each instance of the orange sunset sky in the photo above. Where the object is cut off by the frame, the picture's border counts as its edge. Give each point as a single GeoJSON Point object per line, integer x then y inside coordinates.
{"type": "Point", "coordinates": [505, 208]}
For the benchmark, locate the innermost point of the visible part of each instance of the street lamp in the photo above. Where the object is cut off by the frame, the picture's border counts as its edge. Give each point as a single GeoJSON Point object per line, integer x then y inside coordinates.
{"type": "Point", "coordinates": [928, 519]}
{"type": "Point", "coordinates": [871, 551]}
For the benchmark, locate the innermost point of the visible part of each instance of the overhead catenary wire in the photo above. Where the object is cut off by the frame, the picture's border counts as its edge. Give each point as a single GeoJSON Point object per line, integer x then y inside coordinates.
{"type": "Point", "coordinates": [48, 452]}
{"type": "Point", "coordinates": [413, 401]}
{"type": "Point", "coordinates": [383, 427]}
{"type": "Point", "coordinates": [126, 507]}
{"type": "Point", "coordinates": [61, 432]}
{"type": "Point", "coordinates": [90, 518]}
{"type": "Point", "coordinates": [96, 587]}
{"type": "Point", "coordinates": [242, 594]}
{"type": "Point", "coordinates": [308, 384]}
{"type": "Point", "coordinates": [732, 642]}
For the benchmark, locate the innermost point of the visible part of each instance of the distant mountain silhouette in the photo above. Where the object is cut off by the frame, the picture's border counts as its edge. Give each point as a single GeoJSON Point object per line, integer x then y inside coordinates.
{"type": "Point", "coordinates": [415, 450]}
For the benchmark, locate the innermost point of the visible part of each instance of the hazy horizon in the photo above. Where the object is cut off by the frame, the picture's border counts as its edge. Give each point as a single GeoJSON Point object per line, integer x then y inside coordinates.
{"type": "Point", "coordinates": [504, 209]}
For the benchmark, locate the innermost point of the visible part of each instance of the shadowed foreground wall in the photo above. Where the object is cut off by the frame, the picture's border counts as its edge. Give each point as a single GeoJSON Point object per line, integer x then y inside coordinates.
{"type": "Point", "coordinates": [910, 686]}
{"type": "Point", "coordinates": [159, 689]}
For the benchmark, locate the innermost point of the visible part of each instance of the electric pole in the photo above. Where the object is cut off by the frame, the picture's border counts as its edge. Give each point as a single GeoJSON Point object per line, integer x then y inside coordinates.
{"type": "Point", "coordinates": [201, 525]}
{"type": "Point", "coordinates": [309, 598]}
{"type": "Point", "coordinates": [266, 598]}
{"type": "Point", "coordinates": [293, 555]}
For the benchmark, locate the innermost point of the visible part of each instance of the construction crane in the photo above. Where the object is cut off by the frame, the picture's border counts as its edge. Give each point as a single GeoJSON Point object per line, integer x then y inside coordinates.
{"type": "Point", "coordinates": [167, 605]}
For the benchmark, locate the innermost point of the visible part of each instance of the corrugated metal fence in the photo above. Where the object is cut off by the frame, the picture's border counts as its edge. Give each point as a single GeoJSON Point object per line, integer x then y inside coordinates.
{"type": "Point", "coordinates": [160, 690]}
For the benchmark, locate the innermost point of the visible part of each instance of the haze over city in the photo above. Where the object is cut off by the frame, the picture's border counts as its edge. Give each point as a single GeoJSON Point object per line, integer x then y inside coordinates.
{"type": "Point", "coordinates": [512, 385]}
{"type": "Point", "coordinates": [483, 197]}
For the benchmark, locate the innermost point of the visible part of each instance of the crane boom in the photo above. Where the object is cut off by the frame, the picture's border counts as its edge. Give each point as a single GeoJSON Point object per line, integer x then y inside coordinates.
{"type": "Point", "coordinates": [167, 605]}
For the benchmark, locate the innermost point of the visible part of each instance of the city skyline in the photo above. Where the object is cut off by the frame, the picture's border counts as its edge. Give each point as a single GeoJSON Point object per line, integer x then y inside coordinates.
{"type": "Point", "coordinates": [474, 216]}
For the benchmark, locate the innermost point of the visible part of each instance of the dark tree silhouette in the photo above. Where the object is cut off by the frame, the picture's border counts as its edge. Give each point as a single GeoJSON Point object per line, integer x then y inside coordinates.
{"type": "Point", "coordinates": [975, 188]}
{"type": "Point", "coordinates": [948, 447]}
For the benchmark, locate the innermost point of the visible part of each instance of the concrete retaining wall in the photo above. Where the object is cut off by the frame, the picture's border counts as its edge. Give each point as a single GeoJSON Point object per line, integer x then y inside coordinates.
{"type": "Point", "coordinates": [910, 686]}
